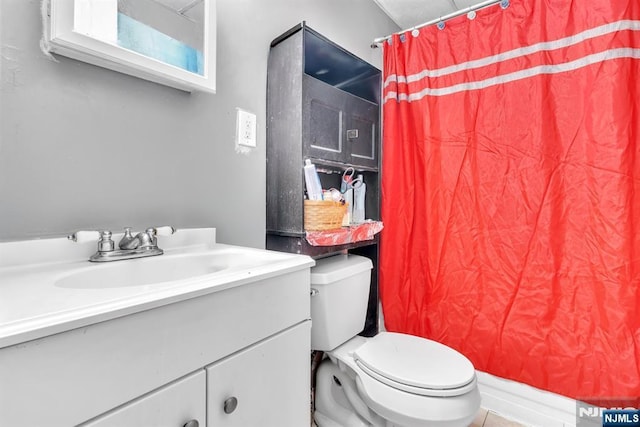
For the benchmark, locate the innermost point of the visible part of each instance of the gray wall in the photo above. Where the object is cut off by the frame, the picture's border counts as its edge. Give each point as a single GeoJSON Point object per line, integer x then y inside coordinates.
{"type": "Point", "coordinates": [83, 147]}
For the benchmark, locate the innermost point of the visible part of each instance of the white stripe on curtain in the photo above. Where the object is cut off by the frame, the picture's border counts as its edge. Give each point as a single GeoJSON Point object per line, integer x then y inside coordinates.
{"type": "Point", "coordinates": [515, 53]}
{"type": "Point", "coordinates": [518, 75]}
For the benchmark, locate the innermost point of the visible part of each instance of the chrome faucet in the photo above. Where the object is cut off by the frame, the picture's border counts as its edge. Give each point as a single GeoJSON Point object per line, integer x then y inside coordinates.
{"type": "Point", "coordinates": [144, 244]}
{"type": "Point", "coordinates": [144, 239]}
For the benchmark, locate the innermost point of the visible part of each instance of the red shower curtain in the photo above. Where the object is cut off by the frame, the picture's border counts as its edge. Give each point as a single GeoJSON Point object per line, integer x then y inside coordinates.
{"type": "Point", "coordinates": [511, 192]}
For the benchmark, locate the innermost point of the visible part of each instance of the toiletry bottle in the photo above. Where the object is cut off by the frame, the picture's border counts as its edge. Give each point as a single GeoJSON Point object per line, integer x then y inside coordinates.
{"type": "Point", "coordinates": [347, 192]}
{"type": "Point", "coordinates": [348, 198]}
{"type": "Point", "coordinates": [312, 181]}
{"type": "Point", "coordinates": [359, 193]}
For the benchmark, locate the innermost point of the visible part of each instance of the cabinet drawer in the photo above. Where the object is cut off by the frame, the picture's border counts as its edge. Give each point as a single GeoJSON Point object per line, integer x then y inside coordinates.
{"type": "Point", "coordinates": [265, 385]}
{"type": "Point", "coordinates": [174, 405]}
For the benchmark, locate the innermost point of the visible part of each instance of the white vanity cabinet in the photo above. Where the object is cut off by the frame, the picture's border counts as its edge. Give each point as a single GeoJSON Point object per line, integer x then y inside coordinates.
{"type": "Point", "coordinates": [258, 386]}
{"type": "Point", "coordinates": [173, 363]}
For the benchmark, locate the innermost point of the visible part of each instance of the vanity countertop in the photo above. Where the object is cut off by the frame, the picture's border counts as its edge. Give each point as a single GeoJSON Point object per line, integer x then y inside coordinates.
{"type": "Point", "coordinates": [48, 286]}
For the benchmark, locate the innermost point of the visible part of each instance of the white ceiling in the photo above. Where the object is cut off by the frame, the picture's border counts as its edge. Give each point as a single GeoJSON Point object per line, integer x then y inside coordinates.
{"type": "Point", "coordinates": [409, 13]}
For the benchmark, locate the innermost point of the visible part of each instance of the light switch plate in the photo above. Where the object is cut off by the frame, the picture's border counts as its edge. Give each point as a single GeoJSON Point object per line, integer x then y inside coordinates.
{"type": "Point", "coordinates": [245, 128]}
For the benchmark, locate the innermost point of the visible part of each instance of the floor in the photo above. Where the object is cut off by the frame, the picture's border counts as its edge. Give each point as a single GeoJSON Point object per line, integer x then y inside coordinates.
{"type": "Point", "coordinates": [491, 419]}
{"type": "Point", "coordinates": [484, 419]}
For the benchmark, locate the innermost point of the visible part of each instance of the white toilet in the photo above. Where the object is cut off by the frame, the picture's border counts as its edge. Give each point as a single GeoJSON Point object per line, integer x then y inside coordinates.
{"type": "Point", "coordinates": [390, 380]}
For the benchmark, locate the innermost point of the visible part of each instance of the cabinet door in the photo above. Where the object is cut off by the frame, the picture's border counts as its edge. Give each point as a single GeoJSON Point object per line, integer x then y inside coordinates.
{"type": "Point", "coordinates": [265, 385]}
{"type": "Point", "coordinates": [362, 132]}
{"type": "Point", "coordinates": [174, 405]}
{"type": "Point", "coordinates": [323, 114]}
{"type": "Point", "coordinates": [339, 126]}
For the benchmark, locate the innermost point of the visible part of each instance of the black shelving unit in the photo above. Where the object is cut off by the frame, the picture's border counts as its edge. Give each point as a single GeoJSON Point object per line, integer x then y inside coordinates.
{"type": "Point", "coordinates": [323, 104]}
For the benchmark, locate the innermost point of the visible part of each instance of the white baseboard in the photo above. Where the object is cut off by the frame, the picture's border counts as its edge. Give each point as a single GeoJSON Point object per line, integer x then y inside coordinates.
{"type": "Point", "coordinates": [525, 404]}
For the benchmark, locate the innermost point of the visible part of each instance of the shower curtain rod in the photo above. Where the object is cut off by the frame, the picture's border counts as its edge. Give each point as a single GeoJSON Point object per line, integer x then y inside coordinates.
{"type": "Point", "coordinates": [503, 3]}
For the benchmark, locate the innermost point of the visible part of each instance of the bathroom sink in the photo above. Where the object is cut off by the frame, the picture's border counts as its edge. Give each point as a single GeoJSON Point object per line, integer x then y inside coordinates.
{"type": "Point", "coordinates": [141, 272]}
{"type": "Point", "coordinates": [48, 286]}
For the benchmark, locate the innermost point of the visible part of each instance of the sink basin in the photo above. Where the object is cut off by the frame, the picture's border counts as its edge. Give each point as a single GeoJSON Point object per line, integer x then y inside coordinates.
{"type": "Point", "coordinates": [141, 272]}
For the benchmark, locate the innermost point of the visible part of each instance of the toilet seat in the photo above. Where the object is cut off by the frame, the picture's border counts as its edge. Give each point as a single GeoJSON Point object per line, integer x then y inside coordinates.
{"type": "Point", "coordinates": [415, 365]}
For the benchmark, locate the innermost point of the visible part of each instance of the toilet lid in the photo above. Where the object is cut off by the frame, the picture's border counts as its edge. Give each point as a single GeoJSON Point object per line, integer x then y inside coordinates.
{"type": "Point", "coordinates": [415, 364]}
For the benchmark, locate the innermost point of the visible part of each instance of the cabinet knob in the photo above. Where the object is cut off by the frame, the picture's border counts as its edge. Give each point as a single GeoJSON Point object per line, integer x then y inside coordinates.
{"type": "Point", "coordinates": [230, 405]}
{"type": "Point", "coordinates": [192, 423]}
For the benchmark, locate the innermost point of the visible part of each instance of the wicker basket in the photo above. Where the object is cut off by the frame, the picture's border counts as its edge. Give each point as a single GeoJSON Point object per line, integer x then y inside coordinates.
{"type": "Point", "coordinates": [322, 215]}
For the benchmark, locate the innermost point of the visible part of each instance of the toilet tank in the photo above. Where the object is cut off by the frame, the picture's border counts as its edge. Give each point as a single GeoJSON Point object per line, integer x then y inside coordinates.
{"type": "Point", "coordinates": [340, 295]}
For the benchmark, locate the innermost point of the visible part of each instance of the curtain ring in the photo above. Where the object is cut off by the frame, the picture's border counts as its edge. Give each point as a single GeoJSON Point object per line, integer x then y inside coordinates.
{"type": "Point", "coordinates": [415, 32]}
{"type": "Point", "coordinates": [471, 15]}
{"type": "Point", "coordinates": [403, 37]}
{"type": "Point", "coordinates": [440, 25]}
{"type": "Point", "coordinates": [504, 4]}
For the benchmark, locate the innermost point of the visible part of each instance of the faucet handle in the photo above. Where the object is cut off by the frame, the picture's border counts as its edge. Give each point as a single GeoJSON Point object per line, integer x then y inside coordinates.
{"type": "Point", "coordinates": [105, 244]}
{"type": "Point", "coordinates": [165, 230]}
{"type": "Point", "coordinates": [84, 236]}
